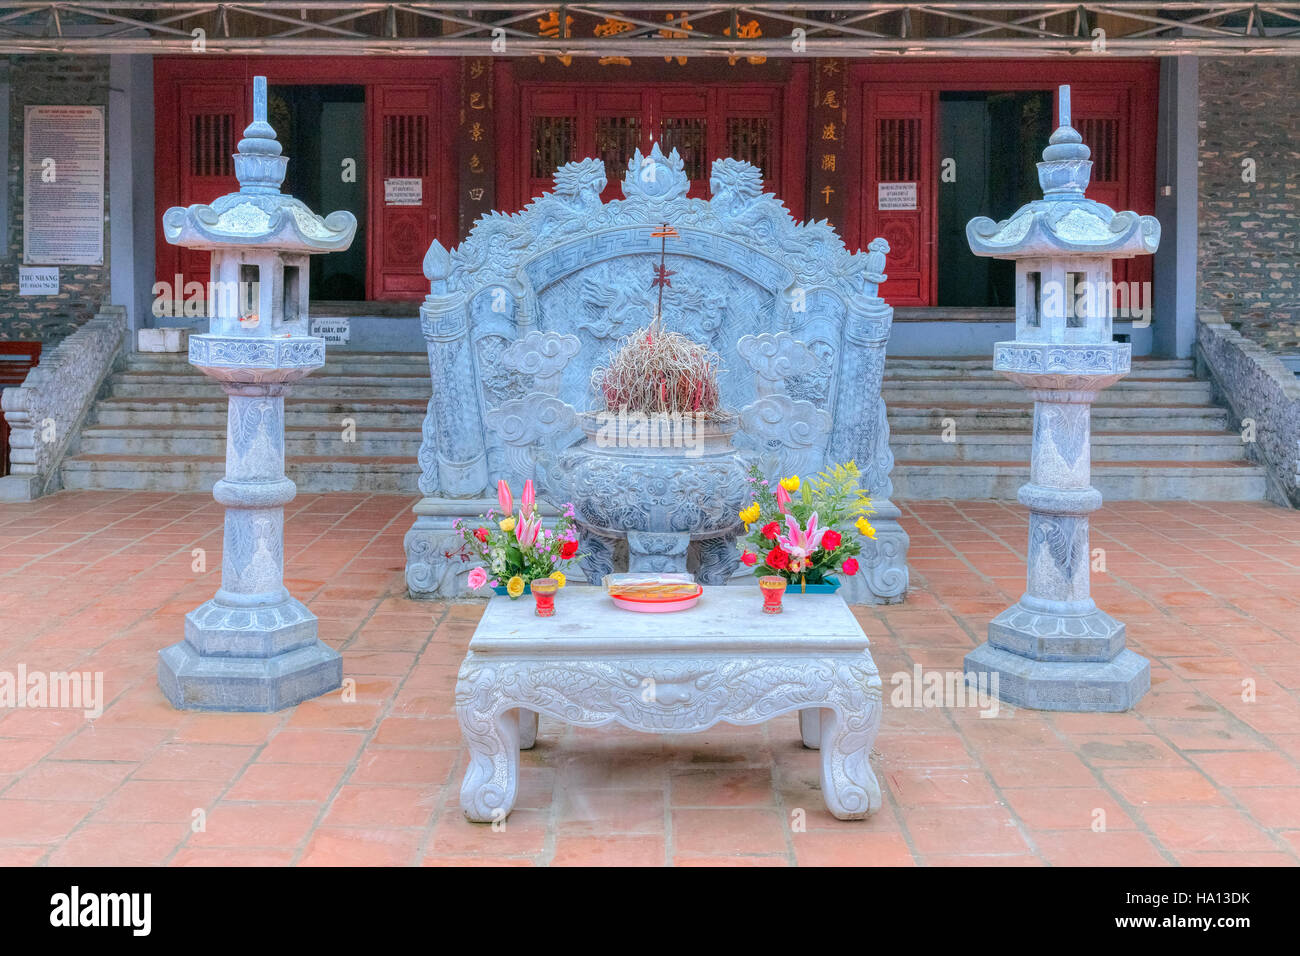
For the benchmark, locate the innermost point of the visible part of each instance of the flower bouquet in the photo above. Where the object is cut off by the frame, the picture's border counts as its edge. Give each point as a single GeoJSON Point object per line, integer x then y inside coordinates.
{"type": "Point", "coordinates": [516, 550]}
{"type": "Point", "coordinates": [804, 539]}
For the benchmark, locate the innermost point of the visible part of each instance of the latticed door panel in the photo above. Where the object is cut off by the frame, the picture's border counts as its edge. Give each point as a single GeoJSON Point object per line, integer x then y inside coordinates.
{"type": "Point", "coordinates": [404, 198]}
{"type": "Point", "coordinates": [564, 123]}
{"type": "Point", "coordinates": [897, 195]}
{"type": "Point", "coordinates": [1103, 119]}
{"type": "Point", "coordinates": [212, 119]}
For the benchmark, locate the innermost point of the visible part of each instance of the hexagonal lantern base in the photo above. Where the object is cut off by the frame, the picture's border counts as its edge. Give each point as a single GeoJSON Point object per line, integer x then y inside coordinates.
{"type": "Point", "coordinates": [242, 659]}
{"type": "Point", "coordinates": [1078, 686]}
{"type": "Point", "coordinates": [1061, 657]}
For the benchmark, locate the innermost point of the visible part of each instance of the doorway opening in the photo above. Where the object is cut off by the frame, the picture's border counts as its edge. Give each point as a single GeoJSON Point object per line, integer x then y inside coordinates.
{"type": "Point", "coordinates": [327, 172]}
{"type": "Point", "coordinates": [995, 140]}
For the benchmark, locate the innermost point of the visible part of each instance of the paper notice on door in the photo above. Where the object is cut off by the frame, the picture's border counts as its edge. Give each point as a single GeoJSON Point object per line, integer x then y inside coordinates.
{"type": "Point", "coordinates": [895, 195]}
{"type": "Point", "coordinates": [403, 192]}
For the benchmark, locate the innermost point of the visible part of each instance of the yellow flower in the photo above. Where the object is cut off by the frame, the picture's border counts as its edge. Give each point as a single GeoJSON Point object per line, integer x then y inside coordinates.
{"type": "Point", "coordinates": [790, 484]}
{"type": "Point", "coordinates": [865, 529]}
{"type": "Point", "coordinates": [559, 577]}
{"type": "Point", "coordinates": [750, 514]}
{"type": "Point", "coordinates": [515, 586]}
{"type": "Point", "coordinates": [508, 524]}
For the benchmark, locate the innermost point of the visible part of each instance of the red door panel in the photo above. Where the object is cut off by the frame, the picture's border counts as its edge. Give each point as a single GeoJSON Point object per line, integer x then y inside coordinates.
{"type": "Point", "coordinates": [1102, 117]}
{"type": "Point", "coordinates": [403, 146]}
{"type": "Point", "coordinates": [898, 136]}
{"type": "Point", "coordinates": [562, 123]}
{"type": "Point", "coordinates": [212, 120]}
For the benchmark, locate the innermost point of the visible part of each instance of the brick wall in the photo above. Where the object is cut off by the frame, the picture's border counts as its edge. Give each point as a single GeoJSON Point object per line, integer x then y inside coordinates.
{"type": "Point", "coordinates": [1249, 248]}
{"type": "Point", "coordinates": [45, 81]}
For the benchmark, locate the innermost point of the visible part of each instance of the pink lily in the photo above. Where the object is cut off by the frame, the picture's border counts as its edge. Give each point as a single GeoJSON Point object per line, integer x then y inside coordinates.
{"type": "Point", "coordinates": [506, 499]}
{"type": "Point", "coordinates": [782, 499]}
{"type": "Point", "coordinates": [529, 497]}
{"type": "Point", "coordinates": [799, 542]}
{"type": "Point", "coordinates": [526, 529]}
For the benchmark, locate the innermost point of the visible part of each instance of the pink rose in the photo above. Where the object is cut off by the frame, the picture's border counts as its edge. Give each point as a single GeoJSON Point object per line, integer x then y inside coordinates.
{"type": "Point", "coordinates": [850, 566]}
{"type": "Point", "coordinates": [477, 578]}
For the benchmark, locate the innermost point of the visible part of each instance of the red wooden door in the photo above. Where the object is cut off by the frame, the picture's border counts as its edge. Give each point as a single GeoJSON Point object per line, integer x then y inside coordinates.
{"type": "Point", "coordinates": [404, 144]}
{"type": "Point", "coordinates": [898, 189]}
{"type": "Point", "coordinates": [562, 123]}
{"type": "Point", "coordinates": [212, 120]}
{"type": "Point", "coordinates": [1103, 118]}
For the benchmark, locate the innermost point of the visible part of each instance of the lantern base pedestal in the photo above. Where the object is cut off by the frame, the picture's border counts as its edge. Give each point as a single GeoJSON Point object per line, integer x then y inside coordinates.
{"type": "Point", "coordinates": [1078, 686]}
{"type": "Point", "coordinates": [248, 659]}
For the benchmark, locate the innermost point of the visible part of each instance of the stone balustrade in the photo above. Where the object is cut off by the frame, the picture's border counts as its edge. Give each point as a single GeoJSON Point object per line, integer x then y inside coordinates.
{"type": "Point", "coordinates": [1258, 389]}
{"type": "Point", "coordinates": [47, 410]}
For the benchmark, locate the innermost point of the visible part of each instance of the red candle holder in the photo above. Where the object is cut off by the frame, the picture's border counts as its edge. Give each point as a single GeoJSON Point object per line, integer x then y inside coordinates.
{"type": "Point", "coordinates": [773, 587]}
{"type": "Point", "coordinates": [544, 594]}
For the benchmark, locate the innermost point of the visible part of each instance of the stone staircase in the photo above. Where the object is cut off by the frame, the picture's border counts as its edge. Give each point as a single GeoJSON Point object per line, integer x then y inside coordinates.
{"type": "Point", "coordinates": [1156, 434]}
{"type": "Point", "coordinates": [162, 426]}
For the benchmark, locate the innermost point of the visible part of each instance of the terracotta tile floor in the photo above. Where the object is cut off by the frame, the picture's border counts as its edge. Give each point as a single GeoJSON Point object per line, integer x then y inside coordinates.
{"type": "Point", "coordinates": [1205, 771]}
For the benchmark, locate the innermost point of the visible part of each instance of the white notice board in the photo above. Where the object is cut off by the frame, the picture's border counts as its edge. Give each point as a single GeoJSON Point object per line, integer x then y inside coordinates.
{"type": "Point", "coordinates": [63, 185]}
{"type": "Point", "coordinates": [895, 195]}
{"type": "Point", "coordinates": [403, 192]}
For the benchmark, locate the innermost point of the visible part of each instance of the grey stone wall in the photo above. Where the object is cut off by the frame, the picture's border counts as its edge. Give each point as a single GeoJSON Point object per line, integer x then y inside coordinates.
{"type": "Point", "coordinates": [1249, 248]}
{"type": "Point", "coordinates": [1258, 389]}
{"type": "Point", "coordinates": [44, 81]}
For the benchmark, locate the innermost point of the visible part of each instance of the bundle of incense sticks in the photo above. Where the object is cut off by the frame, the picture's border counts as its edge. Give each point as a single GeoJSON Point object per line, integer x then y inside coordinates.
{"type": "Point", "coordinates": [668, 585]}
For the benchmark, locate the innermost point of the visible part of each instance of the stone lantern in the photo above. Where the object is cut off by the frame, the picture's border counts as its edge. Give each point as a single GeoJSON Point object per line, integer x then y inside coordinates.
{"type": "Point", "coordinates": [1054, 649]}
{"type": "Point", "coordinates": [253, 647]}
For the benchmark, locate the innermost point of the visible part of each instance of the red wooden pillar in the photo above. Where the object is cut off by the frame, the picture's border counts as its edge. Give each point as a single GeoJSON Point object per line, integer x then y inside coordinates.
{"type": "Point", "coordinates": [828, 134]}
{"type": "Point", "coordinates": [476, 143]}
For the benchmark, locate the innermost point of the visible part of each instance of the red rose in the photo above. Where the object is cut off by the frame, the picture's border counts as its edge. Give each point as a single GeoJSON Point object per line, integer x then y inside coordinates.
{"type": "Point", "coordinates": [850, 566]}
{"type": "Point", "coordinates": [831, 540]}
{"type": "Point", "coordinates": [481, 534]}
{"type": "Point", "coordinates": [771, 530]}
{"type": "Point", "coordinates": [776, 558]}
{"type": "Point", "coordinates": [748, 558]}
{"type": "Point", "coordinates": [568, 550]}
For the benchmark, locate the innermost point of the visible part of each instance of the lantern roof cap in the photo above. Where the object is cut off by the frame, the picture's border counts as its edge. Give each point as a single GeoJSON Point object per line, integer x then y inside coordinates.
{"type": "Point", "coordinates": [259, 214]}
{"type": "Point", "coordinates": [1064, 222]}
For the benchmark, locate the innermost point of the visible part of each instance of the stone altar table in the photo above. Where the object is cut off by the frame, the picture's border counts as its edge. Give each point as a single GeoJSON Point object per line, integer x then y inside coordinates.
{"type": "Point", "coordinates": [593, 664]}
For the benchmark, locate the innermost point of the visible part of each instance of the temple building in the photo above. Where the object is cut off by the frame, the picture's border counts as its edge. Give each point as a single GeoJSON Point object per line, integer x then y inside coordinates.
{"type": "Point", "coordinates": [886, 120]}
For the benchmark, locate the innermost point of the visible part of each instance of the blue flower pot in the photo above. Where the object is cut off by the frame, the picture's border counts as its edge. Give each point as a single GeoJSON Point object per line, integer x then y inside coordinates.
{"type": "Point", "coordinates": [828, 586]}
{"type": "Point", "coordinates": [528, 589]}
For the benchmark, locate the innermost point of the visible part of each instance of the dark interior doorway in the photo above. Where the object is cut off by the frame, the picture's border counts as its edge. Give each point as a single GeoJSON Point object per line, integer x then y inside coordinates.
{"type": "Point", "coordinates": [995, 141]}
{"type": "Point", "coordinates": [323, 132]}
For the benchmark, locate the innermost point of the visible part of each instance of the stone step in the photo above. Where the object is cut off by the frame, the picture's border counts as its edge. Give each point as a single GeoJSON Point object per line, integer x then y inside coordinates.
{"type": "Point", "coordinates": [211, 413]}
{"type": "Point", "coordinates": [1117, 481]}
{"type": "Point", "coordinates": [927, 416]}
{"type": "Point", "coordinates": [961, 364]}
{"type": "Point", "coordinates": [168, 361]}
{"type": "Point", "coordinates": [188, 440]}
{"type": "Point", "coordinates": [199, 473]}
{"type": "Point", "coordinates": [346, 388]}
{"type": "Point", "coordinates": [974, 446]}
{"type": "Point", "coordinates": [1147, 392]}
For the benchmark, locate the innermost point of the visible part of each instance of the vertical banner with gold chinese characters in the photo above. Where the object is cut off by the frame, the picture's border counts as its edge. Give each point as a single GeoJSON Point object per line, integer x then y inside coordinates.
{"type": "Point", "coordinates": [827, 141]}
{"type": "Point", "coordinates": [475, 143]}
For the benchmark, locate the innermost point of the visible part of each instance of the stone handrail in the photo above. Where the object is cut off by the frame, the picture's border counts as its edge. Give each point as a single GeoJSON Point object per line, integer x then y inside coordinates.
{"type": "Point", "coordinates": [1258, 388]}
{"type": "Point", "coordinates": [46, 412]}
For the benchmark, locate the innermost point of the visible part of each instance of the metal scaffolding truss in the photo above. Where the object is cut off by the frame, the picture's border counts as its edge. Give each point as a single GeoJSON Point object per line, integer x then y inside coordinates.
{"type": "Point", "coordinates": [654, 28]}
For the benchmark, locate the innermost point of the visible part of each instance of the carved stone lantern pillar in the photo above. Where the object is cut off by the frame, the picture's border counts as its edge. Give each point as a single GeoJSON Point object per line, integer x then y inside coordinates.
{"type": "Point", "coordinates": [1054, 649]}
{"type": "Point", "coordinates": [253, 647]}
